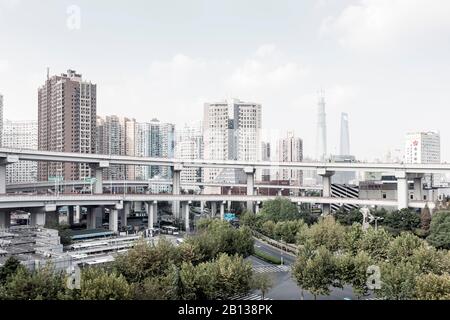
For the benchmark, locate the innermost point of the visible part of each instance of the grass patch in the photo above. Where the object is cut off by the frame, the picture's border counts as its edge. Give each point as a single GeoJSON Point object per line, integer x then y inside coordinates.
{"type": "Point", "coordinates": [267, 257]}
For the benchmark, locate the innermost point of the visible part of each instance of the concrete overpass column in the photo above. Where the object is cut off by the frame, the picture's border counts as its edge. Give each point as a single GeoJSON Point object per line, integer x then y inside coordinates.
{"type": "Point", "coordinates": [98, 175]}
{"type": "Point", "coordinates": [213, 209]}
{"type": "Point", "coordinates": [250, 172]}
{"type": "Point", "coordinates": [185, 209]}
{"type": "Point", "coordinates": [5, 219]}
{"type": "Point", "coordinates": [176, 188]}
{"type": "Point", "coordinates": [326, 180]}
{"type": "Point", "coordinates": [77, 214]}
{"type": "Point", "coordinates": [70, 215]}
{"type": "Point", "coordinates": [152, 213]}
{"type": "Point", "coordinates": [418, 193]}
{"type": "Point", "coordinates": [114, 220]}
{"type": "Point", "coordinates": [202, 207]}
{"type": "Point", "coordinates": [402, 189]}
{"type": "Point", "coordinates": [91, 218]}
{"type": "Point", "coordinates": [125, 213]}
{"type": "Point", "coordinates": [3, 163]}
{"type": "Point", "coordinates": [37, 218]}
{"type": "Point", "coordinates": [222, 210]}
{"type": "Point", "coordinates": [230, 191]}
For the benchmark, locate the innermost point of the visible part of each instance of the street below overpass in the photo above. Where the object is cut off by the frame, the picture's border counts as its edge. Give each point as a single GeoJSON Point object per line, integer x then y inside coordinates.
{"type": "Point", "coordinates": [284, 284]}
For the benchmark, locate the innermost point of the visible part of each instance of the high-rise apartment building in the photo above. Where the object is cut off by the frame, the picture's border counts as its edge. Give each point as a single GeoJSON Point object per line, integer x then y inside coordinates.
{"type": "Point", "coordinates": [23, 135]}
{"type": "Point", "coordinates": [290, 149]}
{"type": "Point", "coordinates": [265, 156]}
{"type": "Point", "coordinates": [112, 138]}
{"type": "Point", "coordinates": [321, 139]}
{"type": "Point", "coordinates": [153, 139]}
{"type": "Point", "coordinates": [67, 114]}
{"type": "Point", "coordinates": [232, 131]}
{"type": "Point", "coordinates": [189, 145]}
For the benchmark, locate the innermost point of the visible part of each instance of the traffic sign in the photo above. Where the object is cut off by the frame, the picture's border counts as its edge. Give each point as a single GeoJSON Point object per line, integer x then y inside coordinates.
{"type": "Point", "coordinates": [55, 178]}
{"type": "Point", "coordinates": [229, 216]}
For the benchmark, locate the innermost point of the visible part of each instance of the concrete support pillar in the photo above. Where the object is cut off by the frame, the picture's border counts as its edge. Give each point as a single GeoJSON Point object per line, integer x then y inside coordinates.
{"type": "Point", "coordinates": [77, 214]}
{"type": "Point", "coordinates": [37, 218]}
{"type": "Point", "coordinates": [125, 213]}
{"type": "Point", "coordinates": [3, 162]}
{"type": "Point", "coordinates": [402, 189]}
{"type": "Point", "coordinates": [98, 175]}
{"type": "Point", "coordinates": [5, 219]}
{"type": "Point", "coordinates": [91, 218]}
{"type": "Point", "coordinates": [152, 213]}
{"type": "Point", "coordinates": [326, 181]}
{"type": "Point", "coordinates": [185, 209]}
{"type": "Point", "coordinates": [250, 172]}
{"type": "Point", "coordinates": [70, 215]}
{"type": "Point", "coordinates": [176, 188]}
{"type": "Point", "coordinates": [213, 209]}
{"type": "Point", "coordinates": [257, 207]}
{"type": "Point", "coordinates": [229, 202]}
{"type": "Point", "coordinates": [202, 207]}
{"type": "Point", "coordinates": [2, 178]}
{"type": "Point", "coordinates": [418, 187]}
{"type": "Point", "coordinates": [222, 210]}
{"type": "Point", "coordinates": [280, 192]}
{"type": "Point", "coordinates": [114, 220]}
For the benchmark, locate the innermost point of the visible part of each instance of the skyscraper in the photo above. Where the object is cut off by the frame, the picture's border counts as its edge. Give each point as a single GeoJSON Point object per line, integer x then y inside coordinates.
{"type": "Point", "coordinates": [321, 142]}
{"type": "Point", "coordinates": [67, 112]}
{"type": "Point", "coordinates": [345, 136]}
{"type": "Point", "coordinates": [290, 149]}
{"type": "Point", "coordinates": [112, 139]}
{"type": "Point", "coordinates": [23, 135]}
{"type": "Point", "coordinates": [232, 131]}
{"type": "Point", "coordinates": [189, 145]}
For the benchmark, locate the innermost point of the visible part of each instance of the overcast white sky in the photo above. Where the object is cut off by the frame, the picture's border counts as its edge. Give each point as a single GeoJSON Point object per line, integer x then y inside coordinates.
{"type": "Point", "coordinates": [385, 62]}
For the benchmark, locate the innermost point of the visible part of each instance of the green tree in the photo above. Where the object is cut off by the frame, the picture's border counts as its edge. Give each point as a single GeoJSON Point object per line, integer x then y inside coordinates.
{"type": "Point", "coordinates": [398, 281]}
{"type": "Point", "coordinates": [280, 209]}
{"type": "Point", "coordinates": [348, 218]}
{"type": "Point", "coordinates": [99, 284]}
{"type": "Point", "coordinates": [326, 232]}
{"type": "Point", "coordinates": [299, 271]}
{"type": "Point", "coordinates": [319, 273]}
{"type": "Point", "coordinates": [402, 220]}
{"type": "Point", "coordinates": [433, 287]}
{"type": "Point", "coordinates": [375, 243]}
{"type": "Point", "coordinates": [352, 270]}
{"type": "Point", "coordinates": [262, 282]}
{"type": "Point", "coordinates": [143, 260]}
{"type": "Point", "coordinates": [44, 284]}
{"type": "Point", "coordinates": [10, 267]}
{"type": "Point", "coordinates": [402, 247]}
{"type": "Point", "coordinates": [352, 238]}
{"type": "Point", "coordinates": [440, 230]}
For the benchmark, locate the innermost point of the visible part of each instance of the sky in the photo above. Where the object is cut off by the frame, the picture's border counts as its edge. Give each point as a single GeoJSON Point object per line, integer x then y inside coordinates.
{"type": "Point", "coordinates": [384, 62]}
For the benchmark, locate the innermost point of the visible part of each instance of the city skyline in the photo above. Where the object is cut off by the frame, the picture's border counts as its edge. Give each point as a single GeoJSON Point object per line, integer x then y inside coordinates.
{"type": "Point", "coordinates": [325, 46]}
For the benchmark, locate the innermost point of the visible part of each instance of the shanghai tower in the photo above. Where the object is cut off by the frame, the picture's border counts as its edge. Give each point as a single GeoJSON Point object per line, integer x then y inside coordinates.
{"type": "Point", "coordinates": [321, 142]}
